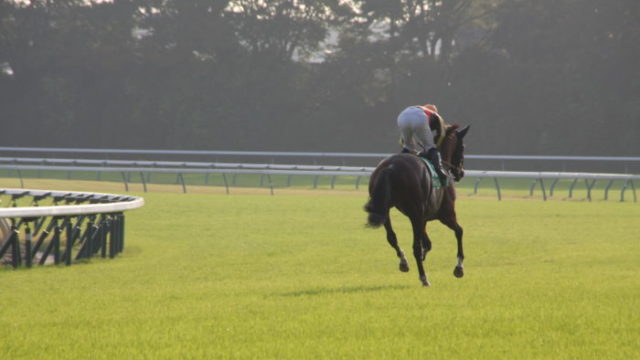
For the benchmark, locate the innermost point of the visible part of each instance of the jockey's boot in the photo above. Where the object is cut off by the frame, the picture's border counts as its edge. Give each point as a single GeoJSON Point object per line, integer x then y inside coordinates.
{"type": "Point", "coordinates": [433, 155]}
{"type": "Point", "coordinates": [405, 151]}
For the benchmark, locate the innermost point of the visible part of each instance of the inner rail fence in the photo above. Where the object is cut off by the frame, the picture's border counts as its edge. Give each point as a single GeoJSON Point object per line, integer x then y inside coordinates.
{"type": "Point", "coordinates": [60, 227]}
{"type": "Point", "coordinates": [144, 169]}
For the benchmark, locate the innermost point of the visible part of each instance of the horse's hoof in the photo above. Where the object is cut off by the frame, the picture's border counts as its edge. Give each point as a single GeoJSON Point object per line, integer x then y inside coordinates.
{"type": "Point", "coordinates": [458, 271]}
{"type": "Point", "coordinates": [404, 267]}
{"type": "Point", "coordinates": [425, 282]}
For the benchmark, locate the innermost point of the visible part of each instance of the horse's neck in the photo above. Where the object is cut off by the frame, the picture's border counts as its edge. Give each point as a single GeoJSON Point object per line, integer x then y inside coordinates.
{"type": "Point", "coordinates": [446, 152]}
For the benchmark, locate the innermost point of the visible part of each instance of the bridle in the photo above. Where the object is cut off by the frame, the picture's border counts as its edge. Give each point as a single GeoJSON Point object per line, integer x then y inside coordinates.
{"type": "Point", "coordinates": [456, 170]}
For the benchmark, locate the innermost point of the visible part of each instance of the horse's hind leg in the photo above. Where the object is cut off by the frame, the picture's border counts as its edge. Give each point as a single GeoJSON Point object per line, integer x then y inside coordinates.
{"type": "Point", "coordinates": [393, 241]}
{"type": "Point", "coordinates": [418, 252]}
{"type": "Point", "coordinates": [426, 244]}
{"type": "Point", "coordinates": [453, 225]}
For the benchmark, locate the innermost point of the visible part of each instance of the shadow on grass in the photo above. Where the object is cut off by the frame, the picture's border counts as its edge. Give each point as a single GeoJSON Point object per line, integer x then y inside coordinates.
{"type": "Point", "coordinates": [343, 290]}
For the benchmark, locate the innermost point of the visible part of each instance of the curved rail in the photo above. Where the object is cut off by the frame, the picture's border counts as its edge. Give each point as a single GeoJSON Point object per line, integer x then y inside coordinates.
{"type": "Point", "coordinates": [99, 203]}
{"type": "Point", "coordinates": [76, 225]}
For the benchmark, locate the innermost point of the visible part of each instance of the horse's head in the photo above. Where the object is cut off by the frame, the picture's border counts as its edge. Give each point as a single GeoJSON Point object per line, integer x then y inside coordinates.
{"type": "Point", "coordinates": [452, 150]}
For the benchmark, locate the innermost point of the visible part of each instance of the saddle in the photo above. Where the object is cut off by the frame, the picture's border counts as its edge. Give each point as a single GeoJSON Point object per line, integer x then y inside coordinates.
{"type": "Point", "coordinates": [435, 179]}
{"type": "Point", "coordinates": [435, 192]}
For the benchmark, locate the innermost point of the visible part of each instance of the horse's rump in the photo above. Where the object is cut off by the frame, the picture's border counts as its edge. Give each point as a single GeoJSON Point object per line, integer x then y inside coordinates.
{"type": "Point", "coordinates": [399, 181]}
{"type": "Point", "coordinates": [380, 195]}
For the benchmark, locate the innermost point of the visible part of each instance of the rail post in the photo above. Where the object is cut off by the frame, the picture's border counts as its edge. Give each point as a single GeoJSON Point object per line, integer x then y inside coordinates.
{"type": "Point", "coordinates": [573, 184]}
{"type": "Point", "coordinates": [475, 186]}
{"type": "Point", "coordinates": [112, 237]}
{"type": "Point", "coordinates": [55, 244]}
{"type": "Point", "coordinates": [589, 187]}
{"type": "Point", "coordinates": [144, 183]}
{"type": "Point", "coordinates": [15, 247]}
{"type": "Point", "coordinates": [122, 218]}
{"type": "Point", "coordinates": [184, 185]}
{"type": "Point", "coordinates": [495, 180]}
{"type": "Point", "coordinates": [533, 185]}
{"type": "Point", "coordinates": [27, 246]}
{"type": "Point", "coordinates": [43, 236]}
{"type": "Point", "coordinates": [21, 180]}
{"type": "Point", "coordinates": [124, 180]}
{"type": "Point", "coordinates": [606, 189]}
{"type": "Point", "coordinates": [226, 183]}
{"type": "Point", "coordinates": [12, 243]}
{"type": "Point", "coordinates": [104, 229]}
{"type": "Point", "coordinates": [553, 186]}
{"type": "Point", "coordinates": [68, 244]}
{"type": "Point", "coordinates": [624, 188]}
{"type": "Point", "coordinates": [544, 193]}
{"type": "Point", "coordinates": [86, 240]}
{"type": "Point", "coordinates": [270, 184]}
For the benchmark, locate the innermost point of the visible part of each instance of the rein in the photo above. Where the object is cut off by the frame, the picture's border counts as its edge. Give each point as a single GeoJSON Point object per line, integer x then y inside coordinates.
{"type": "Point", "coordinates": [447, 164]}
{"type": "Point", "coordinates": [450, 166]}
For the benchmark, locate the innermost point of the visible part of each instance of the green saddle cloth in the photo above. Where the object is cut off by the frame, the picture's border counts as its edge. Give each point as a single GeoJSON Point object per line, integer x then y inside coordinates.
{"type": "Point", "coordinates": [435, 179]}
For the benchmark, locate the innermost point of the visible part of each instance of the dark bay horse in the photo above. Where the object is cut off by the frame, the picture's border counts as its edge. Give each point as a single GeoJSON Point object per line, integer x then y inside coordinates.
{"type": "Point", "coordinates": [403, 181]}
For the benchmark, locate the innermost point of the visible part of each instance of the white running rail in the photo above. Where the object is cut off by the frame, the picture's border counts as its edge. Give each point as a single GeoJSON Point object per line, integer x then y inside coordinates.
{"type": "Point", "coordinates": [126, 167]}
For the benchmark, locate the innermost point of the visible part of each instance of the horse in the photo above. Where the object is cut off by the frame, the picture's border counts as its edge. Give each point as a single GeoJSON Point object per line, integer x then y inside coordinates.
{"type": "Point", "coordinates": [404, 181]}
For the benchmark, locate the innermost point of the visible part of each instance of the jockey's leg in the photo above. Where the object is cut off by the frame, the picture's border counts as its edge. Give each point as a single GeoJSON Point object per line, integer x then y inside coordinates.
{"type": "Point", "coordinates": [411, 124]}
{"type": "Point", "coordinates": [407, 140]}
{"type": "Point", "coordinates": [433, 155]}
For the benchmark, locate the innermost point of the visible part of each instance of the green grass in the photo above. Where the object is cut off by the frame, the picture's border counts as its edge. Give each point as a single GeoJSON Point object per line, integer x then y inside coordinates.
{"type": "Point", "coordinates": [299, 276]}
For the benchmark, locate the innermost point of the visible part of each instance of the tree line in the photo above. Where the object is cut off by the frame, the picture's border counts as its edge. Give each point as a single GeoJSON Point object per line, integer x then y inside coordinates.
{"type": "Point", "coordinates": [531, 77]}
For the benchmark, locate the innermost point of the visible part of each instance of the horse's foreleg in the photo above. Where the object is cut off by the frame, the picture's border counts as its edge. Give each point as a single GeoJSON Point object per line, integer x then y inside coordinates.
{"type": "Point", "coordinates": [393, 241]}
{"type": "Point", "coordinates": [453, 225]}
{"type": "Point", "coordinates": [459, 270]}
{"type": "Point", "coordinates": [418, 251]}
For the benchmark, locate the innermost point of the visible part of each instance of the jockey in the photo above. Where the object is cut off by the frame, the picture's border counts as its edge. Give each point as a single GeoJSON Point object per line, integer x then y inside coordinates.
{"type": "Point", "coordinates": [417, 125]}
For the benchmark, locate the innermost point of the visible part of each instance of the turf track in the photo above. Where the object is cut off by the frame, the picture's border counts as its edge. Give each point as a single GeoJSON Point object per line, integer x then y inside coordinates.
{"type": "Point", "coordinates": [297, 275]}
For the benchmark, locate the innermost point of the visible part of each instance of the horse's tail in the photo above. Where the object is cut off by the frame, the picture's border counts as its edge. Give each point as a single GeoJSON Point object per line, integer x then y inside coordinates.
{"type": "Point", "coordinates": [378, 204]}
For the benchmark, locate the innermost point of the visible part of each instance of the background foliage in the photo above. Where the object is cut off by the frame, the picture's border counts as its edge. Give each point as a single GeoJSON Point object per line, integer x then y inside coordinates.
{"type": "Point", "coordinates": [535, 77]}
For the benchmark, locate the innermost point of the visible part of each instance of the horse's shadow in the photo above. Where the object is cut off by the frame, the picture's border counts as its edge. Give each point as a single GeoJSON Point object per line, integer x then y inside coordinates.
{"type": "Point", "coordinates": [342, 290]}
